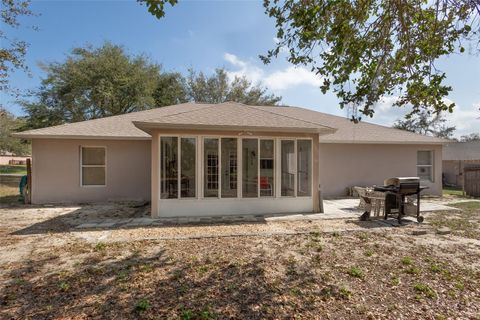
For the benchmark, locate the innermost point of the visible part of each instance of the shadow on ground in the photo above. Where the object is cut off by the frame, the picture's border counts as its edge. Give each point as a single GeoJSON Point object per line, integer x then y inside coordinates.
{"type": "Point", "coordinates": [115, 216]}
{"type": "Point", "coordinates": [146, 286]}
{"type": "Point", "coordinates": [131, 215]}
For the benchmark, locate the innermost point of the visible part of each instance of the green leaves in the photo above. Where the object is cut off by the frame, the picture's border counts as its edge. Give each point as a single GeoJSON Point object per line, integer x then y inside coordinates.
{"type": "Point", "coordinates": [12, 50]}
{"type": "Point", "coordinates": [368, 49]}
{"type": "Point", "coordinates": [93, 83]}
{"type": "Point", "coordinates": [8, 125]}
{"type": "Point", "coordinates": [219, 88]}
{"type": "Point", "coordinates": [100, 82]}
{"type": "Point", "coordinates": [423, 122]}
{"type": "Point", "coordinates": [157, 7]}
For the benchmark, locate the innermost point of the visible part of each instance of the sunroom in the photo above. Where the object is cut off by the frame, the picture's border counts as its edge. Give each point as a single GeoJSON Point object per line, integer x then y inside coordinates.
{"type": "Point", "coordinates": [233, 167]}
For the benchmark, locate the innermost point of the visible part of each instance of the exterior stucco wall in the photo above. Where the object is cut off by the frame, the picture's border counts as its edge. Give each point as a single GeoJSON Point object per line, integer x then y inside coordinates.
{"type": "Point", "coordinates": [347, 165]}
{"type": "Point", "coordinates": [56, 171]}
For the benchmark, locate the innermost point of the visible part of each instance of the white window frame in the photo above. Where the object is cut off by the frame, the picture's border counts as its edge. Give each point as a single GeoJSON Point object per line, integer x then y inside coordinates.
{"type": "Point", "coordinates": [200, 168]}
{"type": "Point", "coordinates": [104, 166]}
{"type": "Point", "coordinates": [294, 167]}
{"type": "Point", "coordinates": [179, 158]}
{"type": "Point", "coordinates": [273, 169]}
{"type": "Point", "coordinates": [431, 165]}
{"type": "Point", "coordinates": [310, 166]}
{"type": "Point", "coordinates": [202, 175]}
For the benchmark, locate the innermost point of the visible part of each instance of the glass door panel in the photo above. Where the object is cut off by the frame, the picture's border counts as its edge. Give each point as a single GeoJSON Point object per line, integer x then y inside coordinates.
{"type": "Point", "coordinates": [168, 167]}
{"type": "Point", "coordinates": [288, 168]}
{"type": "Point", "coordinates": [266, 168]}
{"type": "Point", "coordinates": [250, 168]}
{"type": "Point", "coordinates": [210, 167]}
{"type": "Point", "coordinates": [188, 167]}
{"type": "Point", "coordinates": [229, 167]}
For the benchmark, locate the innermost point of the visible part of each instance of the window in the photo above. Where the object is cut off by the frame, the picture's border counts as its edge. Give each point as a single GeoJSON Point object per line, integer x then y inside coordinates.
{"type": "Point", "coordinates": [169, 167]}
{"type": "Point", "coordinates": [211, 167]}
{"type": "Point", "coordinates": [304, 168]}
{"type": "Point", "coordinates": [425, 165]}
{"type": "Point", "coordinates": [250, 168]}
{"type": "Point", "coordinates": [266, 168]}
{"type": "Point", "coordinates": [229, 167]}
{"type": "Point", "coordinates": [93, 166]}
{"type": "Point", "coordinates": [177, 167]}
{"type": "Point", "coordinates": [188, 167]}
{"type": "Point", "coordinates": [288, 168]}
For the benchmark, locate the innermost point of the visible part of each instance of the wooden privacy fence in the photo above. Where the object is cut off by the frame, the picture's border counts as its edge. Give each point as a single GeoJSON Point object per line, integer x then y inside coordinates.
{"type": "Point", "coordinates": [471, 184]}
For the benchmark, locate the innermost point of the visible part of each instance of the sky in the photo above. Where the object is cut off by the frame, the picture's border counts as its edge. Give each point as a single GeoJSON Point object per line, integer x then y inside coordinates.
{"type": "Point", "coordinates": [204, 35]}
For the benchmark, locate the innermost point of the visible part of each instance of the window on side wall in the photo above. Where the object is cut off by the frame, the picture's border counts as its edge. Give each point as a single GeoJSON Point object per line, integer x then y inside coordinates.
{"type": "Point", "coordinates": [93, 166]}
{"type": "Point", "coordinates": [425, 165]}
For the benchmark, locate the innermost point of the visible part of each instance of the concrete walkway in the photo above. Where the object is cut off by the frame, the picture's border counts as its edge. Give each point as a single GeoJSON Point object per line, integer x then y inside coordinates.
{"type": "Point", "coordinates": [334, 209]}
{"type": "Point", "coordinates": [348, 208]}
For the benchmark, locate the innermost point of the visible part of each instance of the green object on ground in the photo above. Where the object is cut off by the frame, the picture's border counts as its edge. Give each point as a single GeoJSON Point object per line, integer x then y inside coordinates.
{"type": "Point", "coordinates": [23, 184]}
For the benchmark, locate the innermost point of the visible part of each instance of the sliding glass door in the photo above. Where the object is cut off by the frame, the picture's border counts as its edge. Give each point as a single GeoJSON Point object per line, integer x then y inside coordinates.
{"type": "Point", "coordinates": [169, 168]}
{"type": "Point", "coordinates": [211, 168]}
{"type": "Point", "coordinates": [177, 167]}
{"type": "Point", "coordinates": [250, 168]}
{"type": "Point", "coordinates": [288, 168]}
{"type": "Point", "coordinates": [188, 169]}
{"type": "Point", "coordinates": [267, 168]}
{"type": "Point", "coordinates": [304, 168]}
{"type": "Point", "coordinates": [229, 167]}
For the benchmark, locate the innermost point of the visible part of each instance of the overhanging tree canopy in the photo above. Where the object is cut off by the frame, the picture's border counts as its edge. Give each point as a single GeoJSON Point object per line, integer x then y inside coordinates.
{"type": "Point", "coordinates": [93, 83]}
{"type": "Point", "coordinates": [368, 49]}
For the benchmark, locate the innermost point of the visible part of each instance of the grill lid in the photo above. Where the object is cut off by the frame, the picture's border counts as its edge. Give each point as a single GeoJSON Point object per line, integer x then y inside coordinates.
{"type": "Point", "coordinates": [397, 181]}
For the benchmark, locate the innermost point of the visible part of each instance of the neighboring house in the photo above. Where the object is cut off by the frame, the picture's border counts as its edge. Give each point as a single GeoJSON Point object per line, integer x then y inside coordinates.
{"type": "Point", "coordinates": [456, 157]}
{"type": "Point", "coordinates": [9, 158]}
{"type": "Point", "coordinates": [229, 158]}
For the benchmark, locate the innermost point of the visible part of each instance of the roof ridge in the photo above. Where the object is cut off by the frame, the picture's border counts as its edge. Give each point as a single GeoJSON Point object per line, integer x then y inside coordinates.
{"type": "Point", "coordinates": [290, 117]}
{"type": "Point", "coordinates": [182, 112]}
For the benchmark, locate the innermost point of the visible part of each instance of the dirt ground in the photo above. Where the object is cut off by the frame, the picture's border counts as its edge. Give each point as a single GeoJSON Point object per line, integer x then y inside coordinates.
{"type": "Point", "coordinates": [321, 269]}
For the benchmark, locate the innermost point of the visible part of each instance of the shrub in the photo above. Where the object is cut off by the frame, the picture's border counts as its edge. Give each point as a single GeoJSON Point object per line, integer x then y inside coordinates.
{"type": "Point", "coordinates": [142, 305]}
{"type": "Point", "coordinates": [345, 293]}
{"type": "Point", "coordinates": [407, 261]}
{"type": "Point", "coordinates": [425, 289]}
{"type": "Point", "coordinates": [63, 286]}
{"type": "Point", "coordinates": [356, 272]}
{"type": "Point", "coordinates": [100, 246]}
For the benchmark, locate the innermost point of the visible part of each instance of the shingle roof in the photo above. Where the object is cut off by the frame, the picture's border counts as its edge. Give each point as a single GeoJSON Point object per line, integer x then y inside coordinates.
{"type": "Point", "coordinates": [349, 132]}
{"type": "Point", "coordinates": [235, 116]}
{"type": "Point", "coordinates": [462, 151]}
{"type": "Point", "coordinates": [231, 116]}
{"type": "Point", "coordinates": [114, 127]}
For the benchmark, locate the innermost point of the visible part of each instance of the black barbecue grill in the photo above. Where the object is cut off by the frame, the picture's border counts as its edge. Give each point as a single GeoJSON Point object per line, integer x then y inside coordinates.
{"type": "Point", "coordinates": [396, 192]}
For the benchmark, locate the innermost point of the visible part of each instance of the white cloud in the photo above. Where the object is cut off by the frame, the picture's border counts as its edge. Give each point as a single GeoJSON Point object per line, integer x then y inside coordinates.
{"type": "Point", "coordinates": [284, 79]}
{"type": "Point", "coordinates": [277, 80]}
{"type": "Point", "coordinates": [244, 68]}
{"type": "Point", "coordinates": [233, 59]}
{"type": "Point", "coordinates": [465, 119]}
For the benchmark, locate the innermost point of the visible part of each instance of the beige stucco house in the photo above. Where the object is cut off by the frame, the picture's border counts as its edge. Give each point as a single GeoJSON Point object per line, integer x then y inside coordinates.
{"type": "Point", "coordinates": [218, 159]}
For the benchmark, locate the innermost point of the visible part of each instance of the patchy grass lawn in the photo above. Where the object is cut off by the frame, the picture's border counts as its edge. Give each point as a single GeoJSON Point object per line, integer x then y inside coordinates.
{"type": "Point", "coordinates": [453, 192]}
{"type": "Point", "coordinates": [9, 195]}
{"type": "Point", "coordinates": [13, 169]}
{"type": "Point", "coordinates": [367, 274]}
{"type": "Point", "coordinates": [465, 223]}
